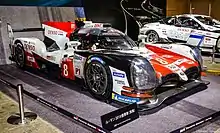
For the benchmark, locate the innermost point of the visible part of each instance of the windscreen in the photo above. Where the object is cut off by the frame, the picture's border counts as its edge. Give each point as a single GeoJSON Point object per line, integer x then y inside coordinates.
{"type": "Point", "coordinates": [208, 20]}
{"type": "Point", "coordinates": [115, 42]}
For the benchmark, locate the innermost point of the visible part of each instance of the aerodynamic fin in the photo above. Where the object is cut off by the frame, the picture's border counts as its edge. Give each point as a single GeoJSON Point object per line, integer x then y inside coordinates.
{"type": "Point", "coordinates": [10, 33]}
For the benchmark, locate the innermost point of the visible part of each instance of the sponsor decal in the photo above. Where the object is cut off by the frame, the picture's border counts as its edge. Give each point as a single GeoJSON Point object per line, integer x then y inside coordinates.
{"type": "Point", "coordinates": [77, 57]}
{"type": "Point", "coordinates": [167, 56]}
{"type": "Point", "coordinates": [117, 74]}
{"type": "Point", "coordinates": [31, 59]}
{"type": "Point", "coordinates": [96, 59]}
{"type": "Point", "coordinates": [166, 46]}
{"type": "Point", "coordinates": [161, 61]}
{"type": "Point", "coordinates": [173, 67]}
{"type": "Point", "coordinates": [120, 82]}
{"type": "Point", "coordinates": [134, 9]}
{"type": "Point", "coordinates": [97, 25]}
{"type": "Point", "coordinates": [184, 60]}
{"type": "Point", "coordinates": [77, 71]}
{"type": "Point", "coordinates": [110, 34]}
{"type": "Point", "coordinates": [93, 25]}
{"type": "Point", "coordinates": [184, 30]}
{"type": "Point", "coordinates": [125, 99]}
{"type": "Point", "coordinates": [51, 32]}
{"type": "Point", "coordinates": [120, 117]}
{"type": "Point", "coordinates": [29, 47]}
{"type": "Point", "coordinates": [178, 71]}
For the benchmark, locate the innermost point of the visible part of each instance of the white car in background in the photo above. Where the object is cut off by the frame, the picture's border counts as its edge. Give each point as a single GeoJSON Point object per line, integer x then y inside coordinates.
{"type": "Point", "coordinates": [197, 30]}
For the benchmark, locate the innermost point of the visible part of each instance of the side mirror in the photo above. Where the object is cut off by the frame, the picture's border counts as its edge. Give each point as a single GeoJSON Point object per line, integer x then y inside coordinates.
{"type": "Point", "coordinates": [73, 44]}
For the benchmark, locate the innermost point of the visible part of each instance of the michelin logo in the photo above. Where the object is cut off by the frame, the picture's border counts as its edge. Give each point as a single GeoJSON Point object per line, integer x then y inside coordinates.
{"type": "Point", "coordinates": [120, 75]}
{"type": "Point", "coordinates": [124, 98]}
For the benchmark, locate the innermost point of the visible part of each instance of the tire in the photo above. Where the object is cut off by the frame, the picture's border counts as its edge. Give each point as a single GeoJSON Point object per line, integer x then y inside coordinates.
{"type": "Point", "coordinates": [20, 59]}
{"type": "Point", "coordinates": [217, 46]}
{"type": "Point", "coordinates": [152, 36]}
{"type": "Point", "coordinates": [98, 80]}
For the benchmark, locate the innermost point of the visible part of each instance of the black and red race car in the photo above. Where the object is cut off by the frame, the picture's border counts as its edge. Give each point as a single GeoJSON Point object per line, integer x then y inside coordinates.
{"type": "Point", "coordinates": [111, 64]}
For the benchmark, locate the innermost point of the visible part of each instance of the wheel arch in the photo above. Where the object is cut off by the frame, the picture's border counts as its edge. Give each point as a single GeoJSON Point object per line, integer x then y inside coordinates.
{"type": "Point", "coordinates": [13, 45]}
{"type": "Point", "coordinates": [100, 58]}
{"type": "Point", "coordinates": [103, 60]}
{"type": "Point", "coordinates": [18, 41]}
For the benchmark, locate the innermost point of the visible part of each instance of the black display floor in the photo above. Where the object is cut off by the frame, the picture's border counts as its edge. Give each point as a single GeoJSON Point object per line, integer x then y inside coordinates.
{"type": "Point", "coordinates": [70, 97]}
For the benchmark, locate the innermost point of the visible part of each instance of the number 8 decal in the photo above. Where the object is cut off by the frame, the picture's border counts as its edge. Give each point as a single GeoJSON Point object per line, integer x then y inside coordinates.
{"type": "Point", "coordinates": [65, 71]}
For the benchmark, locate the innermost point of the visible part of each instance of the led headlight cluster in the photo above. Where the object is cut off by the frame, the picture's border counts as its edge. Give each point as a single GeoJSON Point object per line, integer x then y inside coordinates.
{"type": "Point", "coordinates": [143, 75]}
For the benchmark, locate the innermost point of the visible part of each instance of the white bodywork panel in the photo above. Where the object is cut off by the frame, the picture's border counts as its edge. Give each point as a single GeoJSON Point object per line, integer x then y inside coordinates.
{"type": "Point", "coordinates": [56, 34]}
{"type": "Point", "coordinates": [119, 79]}
{"type": "Point", "coordinates": [79, 63]}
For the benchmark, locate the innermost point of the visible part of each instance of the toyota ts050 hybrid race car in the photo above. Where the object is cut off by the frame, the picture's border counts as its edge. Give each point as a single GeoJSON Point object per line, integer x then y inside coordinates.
{"type": "Point", "coordinates": [197, 30]}
{"type": "Point", "coordinates": [110, 63]}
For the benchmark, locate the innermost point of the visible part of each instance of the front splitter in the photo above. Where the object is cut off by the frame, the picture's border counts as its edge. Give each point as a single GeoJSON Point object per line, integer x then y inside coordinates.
{"type": "Point", "coordinates": [173, 95]}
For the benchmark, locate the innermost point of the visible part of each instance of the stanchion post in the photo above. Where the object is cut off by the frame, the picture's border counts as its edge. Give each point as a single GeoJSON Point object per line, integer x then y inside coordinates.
{"type": "Point", "coordinates": [213, 54]}
{"type": "Point", "coordinates": [21, 102]}
{"type": "Point", "coordinates": [21, 117]}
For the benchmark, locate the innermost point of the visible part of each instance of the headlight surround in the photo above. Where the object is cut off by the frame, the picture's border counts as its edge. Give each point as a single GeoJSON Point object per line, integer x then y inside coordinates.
{"type": "Point", "coordinates": [197, 55]}
{"type": "Point", "coordinates": [143, 75]}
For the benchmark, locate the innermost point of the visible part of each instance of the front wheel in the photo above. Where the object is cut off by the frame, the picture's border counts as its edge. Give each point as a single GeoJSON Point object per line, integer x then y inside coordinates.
{"type": "Point", "coordinates": [98, 80]}
{"type": "Point", "coordinates": [19, 55]}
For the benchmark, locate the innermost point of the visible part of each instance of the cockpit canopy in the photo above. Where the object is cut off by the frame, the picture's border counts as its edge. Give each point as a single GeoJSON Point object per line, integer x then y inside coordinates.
{"type": "Point", "coordinates": [103, 38]}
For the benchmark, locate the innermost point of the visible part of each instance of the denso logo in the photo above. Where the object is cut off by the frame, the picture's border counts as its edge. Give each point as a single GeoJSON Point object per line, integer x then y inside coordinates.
{"type": "Point", "coordinates": [116, 74]}
{"type": "Point", "coordinates": [51, 32]}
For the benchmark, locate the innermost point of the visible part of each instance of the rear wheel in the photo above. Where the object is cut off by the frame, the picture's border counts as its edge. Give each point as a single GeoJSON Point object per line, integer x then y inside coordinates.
{"type": "Point", "coordinates": [98, 80]}
{"type": "Point", "coordinates": [152, 36]}
{"type": "Point", "coordinates": [19, 55]}
{"type": "Point", "coordinates": [217, 46]}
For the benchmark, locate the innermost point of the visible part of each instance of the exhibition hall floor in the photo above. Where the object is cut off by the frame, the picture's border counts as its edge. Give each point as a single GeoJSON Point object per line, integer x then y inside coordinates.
{"type": "Point", "coordinates": [72, 98]}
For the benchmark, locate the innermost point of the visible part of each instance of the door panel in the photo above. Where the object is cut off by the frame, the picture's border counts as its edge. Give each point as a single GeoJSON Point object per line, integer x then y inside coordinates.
{"type": "Point", "coordinates": [179, 33]}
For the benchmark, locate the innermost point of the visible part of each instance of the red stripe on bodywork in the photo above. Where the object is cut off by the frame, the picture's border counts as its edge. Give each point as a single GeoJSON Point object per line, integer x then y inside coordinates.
{"type": "Point", "coordinates": [161, 68]}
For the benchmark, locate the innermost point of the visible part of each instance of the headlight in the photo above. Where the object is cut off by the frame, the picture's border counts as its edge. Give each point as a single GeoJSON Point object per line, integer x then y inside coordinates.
{"type": "Point", "coordinates": [197, 55]}
{"type": "Point", "coordinates": [143, 75]}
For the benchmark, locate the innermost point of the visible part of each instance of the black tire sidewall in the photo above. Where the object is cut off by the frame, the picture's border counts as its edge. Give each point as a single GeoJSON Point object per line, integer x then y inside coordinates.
{"type": "Point", "coordinates": [216, 46]}
{"type": "Point", "coordinates": [107, 94]}
{"type": "Point", "coordinates": [152, 31]}
{"type": "Point", "coordinates": [16, 61]}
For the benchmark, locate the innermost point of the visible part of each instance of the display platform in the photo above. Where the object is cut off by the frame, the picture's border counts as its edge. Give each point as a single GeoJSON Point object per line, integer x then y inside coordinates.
{"type": "Point", "coordinates": [72, 98]}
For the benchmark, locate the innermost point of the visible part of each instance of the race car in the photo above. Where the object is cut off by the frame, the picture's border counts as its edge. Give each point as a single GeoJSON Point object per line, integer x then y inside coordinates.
{"type": "Point", "coordinates": [197, 30]}
{"type": "Point", "coordinates": [111, 65]}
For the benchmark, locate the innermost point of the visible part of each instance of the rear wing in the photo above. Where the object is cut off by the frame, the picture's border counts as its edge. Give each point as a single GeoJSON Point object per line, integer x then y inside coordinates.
{"type": "Point", "coordinates": [11, 31]}
{"type": "Point", "coordinates": [90, 24]}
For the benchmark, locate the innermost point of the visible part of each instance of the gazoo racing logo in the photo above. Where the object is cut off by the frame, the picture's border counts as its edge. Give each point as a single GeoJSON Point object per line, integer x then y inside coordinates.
{"type": "Point", "coordinates": [117, 74]}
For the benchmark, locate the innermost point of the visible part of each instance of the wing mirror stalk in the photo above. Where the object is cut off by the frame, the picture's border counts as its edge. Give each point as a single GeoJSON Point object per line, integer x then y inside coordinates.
{"type": "Point", "coordinates": [73, 44]}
